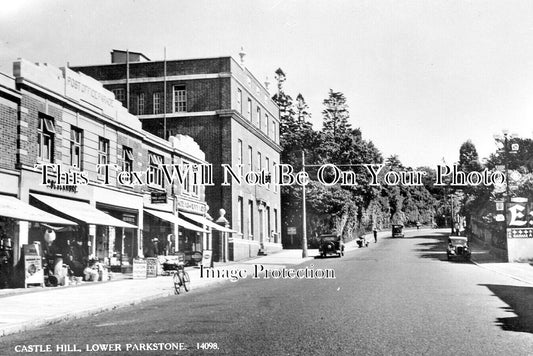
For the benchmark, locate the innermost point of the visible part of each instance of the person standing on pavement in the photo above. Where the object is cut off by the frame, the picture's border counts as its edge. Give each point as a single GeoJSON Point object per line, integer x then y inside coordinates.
{"type": "Point", "coordinates": [375, 234]}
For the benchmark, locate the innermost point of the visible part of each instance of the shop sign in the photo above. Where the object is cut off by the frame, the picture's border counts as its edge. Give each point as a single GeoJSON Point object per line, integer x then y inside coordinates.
{"type": "Point", "coordinates": [151, 267]}
{"type": "Point", "coordinates": [62, 187]}
{"type": "Point", "coordinates": [207, 256]}
{"type": "Point", "coordinates": [192, 206]}
{"type": "Point", "coordinates": [526, 233]}
{"type": "Point", "coordinates": [519, 214]}
{"type": "Point", "coordinates": [158, 197]}
{"type": "Point", "coordinates": [139, 268]}
{"type": "Point", "coordinates": [33, 266]}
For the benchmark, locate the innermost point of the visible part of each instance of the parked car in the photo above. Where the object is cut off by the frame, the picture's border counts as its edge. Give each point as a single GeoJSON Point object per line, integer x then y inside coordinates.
{"type": "Point", "coordinates": [458, 248]}
{"type": "Point", "coordinates": [397, 231]}
{"type": "Point", "coordinates": [331, 244]}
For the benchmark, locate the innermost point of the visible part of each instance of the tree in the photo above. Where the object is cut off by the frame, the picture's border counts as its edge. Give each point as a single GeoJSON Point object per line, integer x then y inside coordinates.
{"type": "Point", "coordinates": [335, 114]}
{"type": "Point", "coordinates": [468, 157]}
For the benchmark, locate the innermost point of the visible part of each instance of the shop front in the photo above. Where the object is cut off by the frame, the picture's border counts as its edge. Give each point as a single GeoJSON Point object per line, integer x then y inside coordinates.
{"type": "Point", "coordinates": [12, 212]}
{"type": "Point", "coordinates": [85, 249]}
{"type": "Point", "coordinates": [189, 235]}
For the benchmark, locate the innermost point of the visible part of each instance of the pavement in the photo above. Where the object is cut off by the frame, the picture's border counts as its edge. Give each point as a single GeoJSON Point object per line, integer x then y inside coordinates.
{"type": "Point", "coordinates": [28, 308]}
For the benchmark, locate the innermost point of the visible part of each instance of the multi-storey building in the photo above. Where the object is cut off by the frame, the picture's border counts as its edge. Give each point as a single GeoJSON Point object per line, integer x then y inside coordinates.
{"type": "Point", "coordinates": [60, 119]}
{"type": "Point", "coordinates": [219, 103]}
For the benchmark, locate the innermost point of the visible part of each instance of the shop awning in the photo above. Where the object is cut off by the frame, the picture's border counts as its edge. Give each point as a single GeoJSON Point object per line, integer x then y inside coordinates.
{"type": "Point", "coordinates": [200, 219]}
{"type": "Point", "coordinates": [174, 219]}
{"type": "Point", "coordinates": [81, 211]}
{"type": "Point", "coordinates": [14, 208]}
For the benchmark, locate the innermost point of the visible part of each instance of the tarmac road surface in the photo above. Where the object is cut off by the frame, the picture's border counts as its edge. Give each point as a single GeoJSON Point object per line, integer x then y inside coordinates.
{"type": "Point", "coordinates": [397, 297]}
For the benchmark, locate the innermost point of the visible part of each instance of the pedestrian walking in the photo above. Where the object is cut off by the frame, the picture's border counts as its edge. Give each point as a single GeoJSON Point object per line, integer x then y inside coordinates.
{"type": "Point", "coordinates": [375, 234]}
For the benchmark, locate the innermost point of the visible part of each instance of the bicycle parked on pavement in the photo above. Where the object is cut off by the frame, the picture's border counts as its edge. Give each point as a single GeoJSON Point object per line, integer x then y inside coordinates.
{"type": "Point", "coordinates": [181, 278]}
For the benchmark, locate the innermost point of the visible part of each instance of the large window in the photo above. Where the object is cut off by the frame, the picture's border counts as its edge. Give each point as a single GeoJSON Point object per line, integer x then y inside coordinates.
{"type": "Point", "coordinates": [269, 226]}
{"type": "Point", "coordinates": [76, 137]}
{"type": "Point", "coordinates": [239, 156]}
{"type": "Point", "coordinates": [239, 100]}
{"type": "Point", "coordinates": [103, 151]}
{"type": "Point", "coordinates": [276, 224]}
{"type": "Point", "coordinates": [250, 110]}
{"type": "Point", "coordinates": [251, 219]}
{"type": "Point", "coordinates": [180, 98]}
{"type": "Point", "coordinates": [240, 209]}
{"type": "Point", "coordinates": [259, 162]}
{"type": "Point", "coordinates": [267, 125]}
{"type": "Point", "coordinates": [250, 159]}
{"type": "Point", "coordinates": [267, 168]}
{"type": "Point", "coordinates": [188, 182]}
{"type": "Point", "coordinates": [158, 103]}
{"type": "Point", "coordinates": [154, 169]}
{"type": "Point", "coordinates": [127, 159]}
{"type": "Point", "coordinates": [45, 138]}
{"type": "Point", "coordinates": [140, 104]}
{"type": "Point", "coordinates": [274, 176]}
{"type": "Point", "coordinates": [259, 120]}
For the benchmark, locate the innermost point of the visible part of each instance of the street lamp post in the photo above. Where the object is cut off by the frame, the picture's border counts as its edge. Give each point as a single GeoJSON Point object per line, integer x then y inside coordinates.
{"type": "Point", "coordinates": [304, 217]}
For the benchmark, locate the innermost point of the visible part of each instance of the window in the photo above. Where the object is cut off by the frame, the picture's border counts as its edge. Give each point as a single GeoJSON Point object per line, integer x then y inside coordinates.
{"type": "Point", "coordinates": [189, 186]}
{"type": "Point", "coordinates": [140, 104]}
{"type": "Point", "coordinates": [76, 136]}
{"type": "Point", "coordinates": [267, 168]}
{"type": "Point", "coordinates": [155, 171]}
{"type": "Point", "coordinates": [276, 224]}
{"type": "Point", "coordinates": [45, 138]}
{"type": "Point", "coordinates": [251, 219]}
{"type": "Point", "coordinates": [250, 159]}
{"type": "Point", "coordinates": [127, 159]}
{"type": "Point", "coordinates": [267, 127]}
{"type": "Point", "coordinates": [158, 103]}
{"type": "Point", "coordinates": [180, 98]}
{"type": "Point", "coordinates": [250, 110]}
{"type": "Point", "coordinates": [239, 156]}
{"type": "Point", "coordinates": [259, 162]}
{"type": "Point", "coordinates": [269, 227]}
{"type": "Point", "coordinates": [259, 121]}
{"type": "Point", "coordinates": [274, 131]}
{"type": "Point", "coordinates": [274, 177]}
{"type": "Point", "coordinates": [239, 100]}
{"type": "Point", "coordinates": [240, 210]}
{"type": "Point", "coordinates": [103, 151]}
{"type": "Point", "coordinates": [120, 95]}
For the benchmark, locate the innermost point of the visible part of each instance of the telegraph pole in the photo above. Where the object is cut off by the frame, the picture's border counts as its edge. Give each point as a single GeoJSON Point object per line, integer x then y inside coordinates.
{"type": "Point", "coordinates": [304, 218]}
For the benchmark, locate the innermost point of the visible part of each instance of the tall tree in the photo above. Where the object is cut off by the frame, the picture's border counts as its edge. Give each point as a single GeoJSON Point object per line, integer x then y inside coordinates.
{"type": "Point", "coordinates": [335, 114]}
{"type": "Point", "coordinates": [468, 157]}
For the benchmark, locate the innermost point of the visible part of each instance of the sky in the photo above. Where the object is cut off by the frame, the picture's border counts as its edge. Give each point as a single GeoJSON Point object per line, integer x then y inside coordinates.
{"type": "Point", "coordinates": [421, 77]}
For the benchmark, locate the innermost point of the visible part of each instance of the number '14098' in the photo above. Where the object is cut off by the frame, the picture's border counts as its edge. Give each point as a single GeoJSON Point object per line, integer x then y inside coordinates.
{"type": "Point", "coordinates": [207, 345]}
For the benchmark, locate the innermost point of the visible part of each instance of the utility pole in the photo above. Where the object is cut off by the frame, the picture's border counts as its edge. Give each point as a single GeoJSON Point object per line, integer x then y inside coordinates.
{"type": "Point", "coordinates": [304, 218]}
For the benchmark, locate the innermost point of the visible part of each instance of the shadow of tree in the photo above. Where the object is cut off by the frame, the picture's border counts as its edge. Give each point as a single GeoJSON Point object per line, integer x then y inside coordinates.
{"type": "Point", "coordinates": [520, 301]}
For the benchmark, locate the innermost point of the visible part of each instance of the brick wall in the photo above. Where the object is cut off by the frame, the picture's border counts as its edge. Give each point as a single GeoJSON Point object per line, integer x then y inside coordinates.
{"type": "Point", "coordinates": [8, 134]}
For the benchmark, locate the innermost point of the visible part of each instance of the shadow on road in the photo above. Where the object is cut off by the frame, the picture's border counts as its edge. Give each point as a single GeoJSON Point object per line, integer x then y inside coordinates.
{"type": "Point", "coordinates": [436, 249]}
{"type": "Point", "coordinates": [520, 301]}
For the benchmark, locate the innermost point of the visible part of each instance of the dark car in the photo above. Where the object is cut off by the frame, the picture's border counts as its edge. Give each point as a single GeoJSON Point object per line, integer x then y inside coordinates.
{"type": "Point", "coordinates": [331, 244]}
{"type": "Point", "coordinates": [458, 248]}
{"type": "Point", "coordinates": [397, 231]}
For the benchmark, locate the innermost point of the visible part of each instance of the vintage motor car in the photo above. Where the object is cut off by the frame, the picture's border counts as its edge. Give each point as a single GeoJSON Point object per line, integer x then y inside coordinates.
{"type": "Point", "coordinates": [397, 231]}
{"type": "Point", "coordinates": [458, 248]}
{"type": "Point", "coordinates": [331, 244]}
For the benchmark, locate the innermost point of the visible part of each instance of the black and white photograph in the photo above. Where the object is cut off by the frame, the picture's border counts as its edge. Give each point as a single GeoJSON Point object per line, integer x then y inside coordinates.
{"type": "Point", "coordinates": [282, 177]}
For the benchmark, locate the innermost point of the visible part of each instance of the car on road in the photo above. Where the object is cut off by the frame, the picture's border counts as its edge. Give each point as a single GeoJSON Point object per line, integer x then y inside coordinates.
{"type": "Point", "coordinates": [397, 231]}
{"type": "Point", "coordinates": [458, 248]}
{"type": "Point", "coordinates": [331, 244]}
